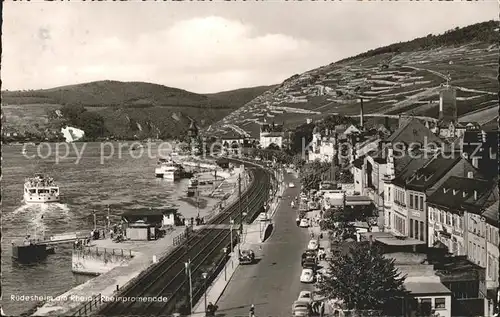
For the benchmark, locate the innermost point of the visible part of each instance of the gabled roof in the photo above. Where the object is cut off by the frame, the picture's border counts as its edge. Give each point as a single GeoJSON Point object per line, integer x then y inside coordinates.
{"type": "Point", "coordinates": [457, 194]}
{"type": "Point", "coordinates": [413, 131]}
{"type": "Point", "coordinates": [427, 175]}
{"type": "Point", "coordinates": [231, 135]}
{"type": "Point", "coordinates": [405, 172]}
{"type": "Point", "coordinates": [491, 214]}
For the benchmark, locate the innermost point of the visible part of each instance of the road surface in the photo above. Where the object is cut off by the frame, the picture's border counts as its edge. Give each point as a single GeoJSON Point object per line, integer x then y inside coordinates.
{"type": "Point", "coordinates": [272, 284]}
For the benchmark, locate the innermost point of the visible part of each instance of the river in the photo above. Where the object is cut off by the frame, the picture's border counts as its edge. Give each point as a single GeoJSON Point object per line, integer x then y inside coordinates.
{"type": "Point", "coordinates": [101, 177]}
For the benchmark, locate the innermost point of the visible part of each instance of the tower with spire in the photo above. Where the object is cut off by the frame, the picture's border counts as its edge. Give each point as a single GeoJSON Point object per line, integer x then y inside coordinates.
{"type": "Point", "coordinates": [194, 140]}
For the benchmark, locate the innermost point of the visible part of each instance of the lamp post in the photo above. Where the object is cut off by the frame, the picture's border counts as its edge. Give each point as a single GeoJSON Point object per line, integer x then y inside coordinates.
{"type": "Point", "coordinates": [204, 275]}
{"type": "Point", "coordinates": [231, 221]}
{"type": "Point", "coordinates": [225, 257]}
{"type": "Point", "coordinates": [188, 274]}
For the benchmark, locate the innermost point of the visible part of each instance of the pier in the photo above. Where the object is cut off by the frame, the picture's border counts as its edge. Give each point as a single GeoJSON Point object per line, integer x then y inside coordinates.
{"type": "Point", "coordinates": [32, 250]}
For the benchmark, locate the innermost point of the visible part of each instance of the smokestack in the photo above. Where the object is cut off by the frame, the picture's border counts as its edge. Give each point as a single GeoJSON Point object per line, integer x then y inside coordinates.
{"type": "Point", "coordinates": [475, 195]}
{"type": "Point", "coordinates": [362, 114]}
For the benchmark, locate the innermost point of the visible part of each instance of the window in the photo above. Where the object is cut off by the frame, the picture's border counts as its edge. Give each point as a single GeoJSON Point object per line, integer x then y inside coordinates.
{"type": "Point", "coordinates": [389, 194]}
{"type": "Point", "coordinates": [461, 223]}
{"type": "Point", "coordinates": [411, 201]}
{"type": "Point", "coordinates": [425, 307]}
{"type": "Point", "coordinates": [421, 207]}
{"type": "Point", "coordinates": [453, 221]}
{"type": "Point", "coordinates": [422, 231]}
{"type": "Point", "coordinates": [440, 303]}
{"type": "Point", "coordinates": [411, 228]}
{"type": "Point", "coordinates": [416, 229]}
{"type": "Point", "coordinates": [389, 218]}
{"type": "Point", "coordinates": [416, 202]}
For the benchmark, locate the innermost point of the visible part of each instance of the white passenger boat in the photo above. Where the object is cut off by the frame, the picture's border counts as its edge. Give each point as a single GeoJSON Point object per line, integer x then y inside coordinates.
{"type": "Point", "coordinates": [40, 189]}
{"type": "Point", "coordinates": [167, 168]}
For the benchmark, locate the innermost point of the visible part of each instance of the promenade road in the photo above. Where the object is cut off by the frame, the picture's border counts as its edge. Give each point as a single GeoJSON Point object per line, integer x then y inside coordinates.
{"type": "Point", "coordinates": [272, 284]}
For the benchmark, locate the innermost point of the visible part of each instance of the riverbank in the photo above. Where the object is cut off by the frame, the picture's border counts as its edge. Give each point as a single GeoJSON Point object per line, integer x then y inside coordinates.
{"type": "Point", "coordinates": [144, 253]}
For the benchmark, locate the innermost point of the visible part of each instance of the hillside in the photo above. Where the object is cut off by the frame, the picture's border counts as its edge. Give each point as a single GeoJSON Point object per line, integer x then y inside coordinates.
{"type": "Point", "coordinates": [127, 108]}
{"type": "Point", "coordinates": [403, 78]}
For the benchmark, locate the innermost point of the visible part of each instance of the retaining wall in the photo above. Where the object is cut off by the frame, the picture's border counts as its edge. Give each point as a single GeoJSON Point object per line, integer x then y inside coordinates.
{"type": "Point", "coordinates": [96, 261]}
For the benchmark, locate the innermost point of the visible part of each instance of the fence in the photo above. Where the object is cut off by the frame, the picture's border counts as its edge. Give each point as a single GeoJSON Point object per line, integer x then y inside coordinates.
{"type": "Point", "coordinates": [179, 239]}
{"type": "Point", "coordinates": [88, 251]}
{"type": "Point", "coordinates": [87, 308]}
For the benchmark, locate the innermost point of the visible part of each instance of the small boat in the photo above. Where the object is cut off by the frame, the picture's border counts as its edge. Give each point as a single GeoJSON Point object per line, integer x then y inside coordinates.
{"type": "Point", "coordinates": [40, 189]}
{"type": "Point", "coordinates": [167, 168]}
{"type": "Point", "coordinates": [192, 186]}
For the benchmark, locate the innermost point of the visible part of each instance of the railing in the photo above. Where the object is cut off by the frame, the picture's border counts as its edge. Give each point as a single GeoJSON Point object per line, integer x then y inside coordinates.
{"type": "Point", "coordinates": [179, 239]}
{"type": "Point", "coordinates": [105, 251]}
{"type": "Point", "coordinates": [87, 308]}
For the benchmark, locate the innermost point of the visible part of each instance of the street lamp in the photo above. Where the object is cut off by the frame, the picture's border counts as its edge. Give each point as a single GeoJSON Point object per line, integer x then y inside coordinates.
{"type": "Point", "coordinates": [225, 257]}
{"type": "Point", "coordinates": [231, 221]}
{"type": "Point", "coordinates": [204, 275]}
{"type": "Point", "coordinates": [188, 273]}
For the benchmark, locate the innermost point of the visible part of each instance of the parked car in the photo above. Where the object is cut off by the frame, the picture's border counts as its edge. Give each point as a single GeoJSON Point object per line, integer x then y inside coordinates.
{"type": "Point", "coordinates": [310, 263]}
{"type": "Point", "coordinates": [300, 309]}
{"type": "Point", "coordinates": [307, 276]}
{"type": "Point", "coordinates": [313, 244]}
{"type": "Point", "coordinates": [263, 216]}
{"type": "Point", "coordinates": [291, 185]}
{"type": "Point", "coordinates": [306, 296]}
{"type": "Point", "coordinates": [304, 223]}
{"type": "Point", "coordinates": [247, 257]}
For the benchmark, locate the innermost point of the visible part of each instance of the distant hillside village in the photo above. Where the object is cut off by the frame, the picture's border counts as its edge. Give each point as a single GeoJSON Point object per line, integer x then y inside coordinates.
{"type": "Point", "coordinates": [443, 198]}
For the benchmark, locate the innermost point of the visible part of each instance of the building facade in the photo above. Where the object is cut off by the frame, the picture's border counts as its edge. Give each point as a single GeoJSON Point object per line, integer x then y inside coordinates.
{"type": "Point", "coordinates": [271, 134]}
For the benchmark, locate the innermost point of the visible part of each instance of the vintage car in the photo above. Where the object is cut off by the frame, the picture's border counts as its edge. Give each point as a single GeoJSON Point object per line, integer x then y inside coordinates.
{"type": "Point", "coordinates": [247, 257]}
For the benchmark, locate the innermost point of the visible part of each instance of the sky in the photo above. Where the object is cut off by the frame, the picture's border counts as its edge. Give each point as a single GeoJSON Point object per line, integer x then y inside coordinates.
{"type": "Point", "coordinates": [206, 47]}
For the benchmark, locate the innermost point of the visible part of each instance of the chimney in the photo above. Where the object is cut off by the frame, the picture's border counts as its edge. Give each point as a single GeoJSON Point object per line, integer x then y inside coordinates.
{"type": "Point", "coordinates": [362, 114]}
{"type": "Point", "coordinates": [470, 174]}
{"type": "Point", "coordinates": [386, 123]}
{"type": "Point", "coordinates": [475, 195]}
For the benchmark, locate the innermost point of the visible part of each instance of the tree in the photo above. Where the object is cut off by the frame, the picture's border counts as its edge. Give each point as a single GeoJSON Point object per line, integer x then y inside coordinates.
{"type": "Point", "coordinates": [273, 146]}
{"type": "Point", "coordinates": [363, 279]}
{"type": "Point", "coordinates": [339, 222]}
{"type": "Point", "coordinates": [310, 176]}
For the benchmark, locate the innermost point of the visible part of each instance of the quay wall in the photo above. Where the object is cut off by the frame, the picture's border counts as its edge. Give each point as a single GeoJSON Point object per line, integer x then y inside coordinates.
{"type": "Point", "coordinates": [96, 261]}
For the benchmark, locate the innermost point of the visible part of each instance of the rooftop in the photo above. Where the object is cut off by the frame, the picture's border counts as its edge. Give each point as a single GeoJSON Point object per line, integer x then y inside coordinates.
{"type": "Point", "coordinates": [413, 131]}
{"type": "Point", "coordinates": [391, 240]}
{"type": "Point", "coordinates": [421, 288]}
{"type": "Point", "coordinates": [271, 128]}
{"type": "Point", "coordinates": [457, 193]}
{"type": "Point", "coordinates": [433, 170]}
{"type": "Point", "coordinates": [231, 135]}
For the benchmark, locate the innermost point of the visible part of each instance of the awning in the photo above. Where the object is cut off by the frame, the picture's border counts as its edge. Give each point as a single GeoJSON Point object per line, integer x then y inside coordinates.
{"type": "Point", "coordinates": [358, 201]}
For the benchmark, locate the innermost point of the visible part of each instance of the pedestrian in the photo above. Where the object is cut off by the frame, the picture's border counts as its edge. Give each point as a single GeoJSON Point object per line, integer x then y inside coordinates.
{"type": "Point", "coordinates": [297, 221]}
{"type": "Point", "coordinates": [312, 234]}
{"type": "Point", "coordinates": [211, 309]}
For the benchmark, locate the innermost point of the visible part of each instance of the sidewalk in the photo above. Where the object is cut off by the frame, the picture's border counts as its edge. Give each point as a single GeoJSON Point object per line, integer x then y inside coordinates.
{"type": "Point", "coordinates": [251, 239]}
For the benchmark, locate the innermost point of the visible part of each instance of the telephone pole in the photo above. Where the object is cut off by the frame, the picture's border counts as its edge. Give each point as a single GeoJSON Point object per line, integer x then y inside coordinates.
{"type": "Point", "coordinates": [239, 204]}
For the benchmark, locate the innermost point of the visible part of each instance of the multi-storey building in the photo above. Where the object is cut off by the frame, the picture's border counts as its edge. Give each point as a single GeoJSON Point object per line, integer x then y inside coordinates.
{"type": "Point", "coordinates": [271, 134]}
{"type": "Point", "coordinates": [463, 215]}
{"type": "Point", "coordinates": [418, 180]}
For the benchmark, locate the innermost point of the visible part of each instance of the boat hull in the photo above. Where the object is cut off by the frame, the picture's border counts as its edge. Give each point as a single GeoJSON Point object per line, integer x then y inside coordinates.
{"type": "Point", "coordinates": [41, 199]}
{"type": "Point", "coordinates": [168, 175]}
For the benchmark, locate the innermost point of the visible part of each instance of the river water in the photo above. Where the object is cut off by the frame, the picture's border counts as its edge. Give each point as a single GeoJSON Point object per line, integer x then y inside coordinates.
{"type": "Point", "coordinates": [98, 179]}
